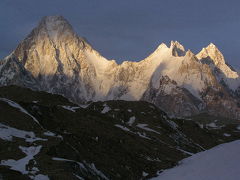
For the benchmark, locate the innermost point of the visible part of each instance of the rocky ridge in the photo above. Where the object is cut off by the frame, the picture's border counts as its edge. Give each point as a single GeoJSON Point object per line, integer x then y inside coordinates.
{"type": "Point", "coordinates": [44, 136]}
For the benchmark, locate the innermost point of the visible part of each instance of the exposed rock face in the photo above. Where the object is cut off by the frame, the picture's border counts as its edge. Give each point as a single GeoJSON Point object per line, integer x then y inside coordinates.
{"type": "Point", "coordinates": [223, 72]}
{"type": "Point", "coordinates": [13, 72]}
{"type": "Point", "coordinates": [177, 49]}
{"type": "Point", "coordinates": [173, 99]}
{"type": "Point", "coordinates": [54, 59]}
{"type": "Point", "coordinates": [62, 62]}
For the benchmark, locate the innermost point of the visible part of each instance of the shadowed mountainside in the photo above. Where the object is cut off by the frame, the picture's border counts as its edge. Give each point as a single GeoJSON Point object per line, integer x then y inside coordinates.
{"type": "Point", "coordinates": [104, 140]}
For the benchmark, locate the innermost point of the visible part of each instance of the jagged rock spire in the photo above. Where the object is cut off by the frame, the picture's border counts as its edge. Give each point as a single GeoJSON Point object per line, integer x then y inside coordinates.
{"type": "Point", "coordinates": [177, 49]}
{"type": "Point", "coordinates": [212, 53]}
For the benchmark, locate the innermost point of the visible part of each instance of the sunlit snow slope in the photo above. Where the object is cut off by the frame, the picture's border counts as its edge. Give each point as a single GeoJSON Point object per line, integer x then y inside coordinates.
{"type": "Point", "coordinates": [219, 163]}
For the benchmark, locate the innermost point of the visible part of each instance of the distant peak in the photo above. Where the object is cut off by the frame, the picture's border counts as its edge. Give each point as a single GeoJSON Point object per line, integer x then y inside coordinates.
{"type": "Point", "coordinates": [211, 49]}
{"type": "Point", "coordinates": [176, 44]}
{"type": "Point", "coordinates": [177, 49]}
{"type": "Point", "coordinates": [211, 46]}
{"type": "Point", "coordinates": [213, 53]}
{"type": "Point", "coordinates": [55, 27]}
{"type": "Point", "coordinates": [189, 53]}
{"type": "Point", "coordinates": [54, 23]}
{"type": "Point", "coordinates": [51, 32]}
{"type": "Point", "coordinates": [53, 18]}
{"type": "Point", "coordinates": [162, 45]}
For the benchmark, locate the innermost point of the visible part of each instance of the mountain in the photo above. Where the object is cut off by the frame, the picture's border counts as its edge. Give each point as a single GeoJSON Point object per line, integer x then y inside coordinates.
{"type": "Point", "coordinates": [224, 73]}
{"type": "Point", "coordinates": [45, 136]}
{"type": "Point", "coordinates": [53, 58]}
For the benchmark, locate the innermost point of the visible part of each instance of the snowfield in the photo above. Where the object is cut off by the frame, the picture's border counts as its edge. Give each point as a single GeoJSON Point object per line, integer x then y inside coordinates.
{"type": "Point", "coordinates": [219, 163]}
{"type": "Point", "coordinates": [7, 133]}
{"type": "Point", "coordinates": [105, 109]}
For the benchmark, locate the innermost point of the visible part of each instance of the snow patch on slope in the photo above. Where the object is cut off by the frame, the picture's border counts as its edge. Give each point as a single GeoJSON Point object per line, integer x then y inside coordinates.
{"type": "Point", "coordinates": [16, 105]}
{"type": "Point", "coordinates": [85, 166]}
{"type": "Point", "coordinates": [70, 108]}
{"type": "Point", "coordinates": [7, 133]}
{"type": "Point", "coordinates": [20, 165]}
{"type": "Point", "coordinates": [41, 177]}
{"type": "Point", "coordinates": [131, 120]}
{"type": "Point", "coordinates": [105, 109]}
{"type": "Point", "coordinates": [144, 127]}
{"type": "Point", "coordinates": [122, 127]}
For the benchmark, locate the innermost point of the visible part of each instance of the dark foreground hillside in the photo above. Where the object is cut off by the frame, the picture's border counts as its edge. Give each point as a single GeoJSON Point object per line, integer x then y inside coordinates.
{"type": "Point", "coordinates": [44, 136]}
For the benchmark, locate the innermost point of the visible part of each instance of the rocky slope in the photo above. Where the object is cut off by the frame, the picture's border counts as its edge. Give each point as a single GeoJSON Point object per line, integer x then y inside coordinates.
{"type": "Point", "coordinates": [54, 59]}
{"type": "Point", "coordinates": [44, 136]}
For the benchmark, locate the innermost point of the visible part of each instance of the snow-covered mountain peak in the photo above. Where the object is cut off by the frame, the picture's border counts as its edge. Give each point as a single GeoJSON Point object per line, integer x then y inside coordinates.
{"type": "Point", "coordinates": [211, 46]}
{"type": "Point", "coordinates": [161, 50]}
{"type": "Point", "coordinates": [162, 45]}
{"type": "Point", "coordinates": [212, 54]}
{"type": "Point", "coordinates": [189, 53]}
{"type": "Point", "coordinates": [177, 48]}
{"type": "Point", "coordinates": [54, 20]}
{"type": "Point", "coordinates": [177, 45]}
{"type": "Point", "coordinates": [55, 23]}
{"type": "Point", "coordinates": [55, 27]}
